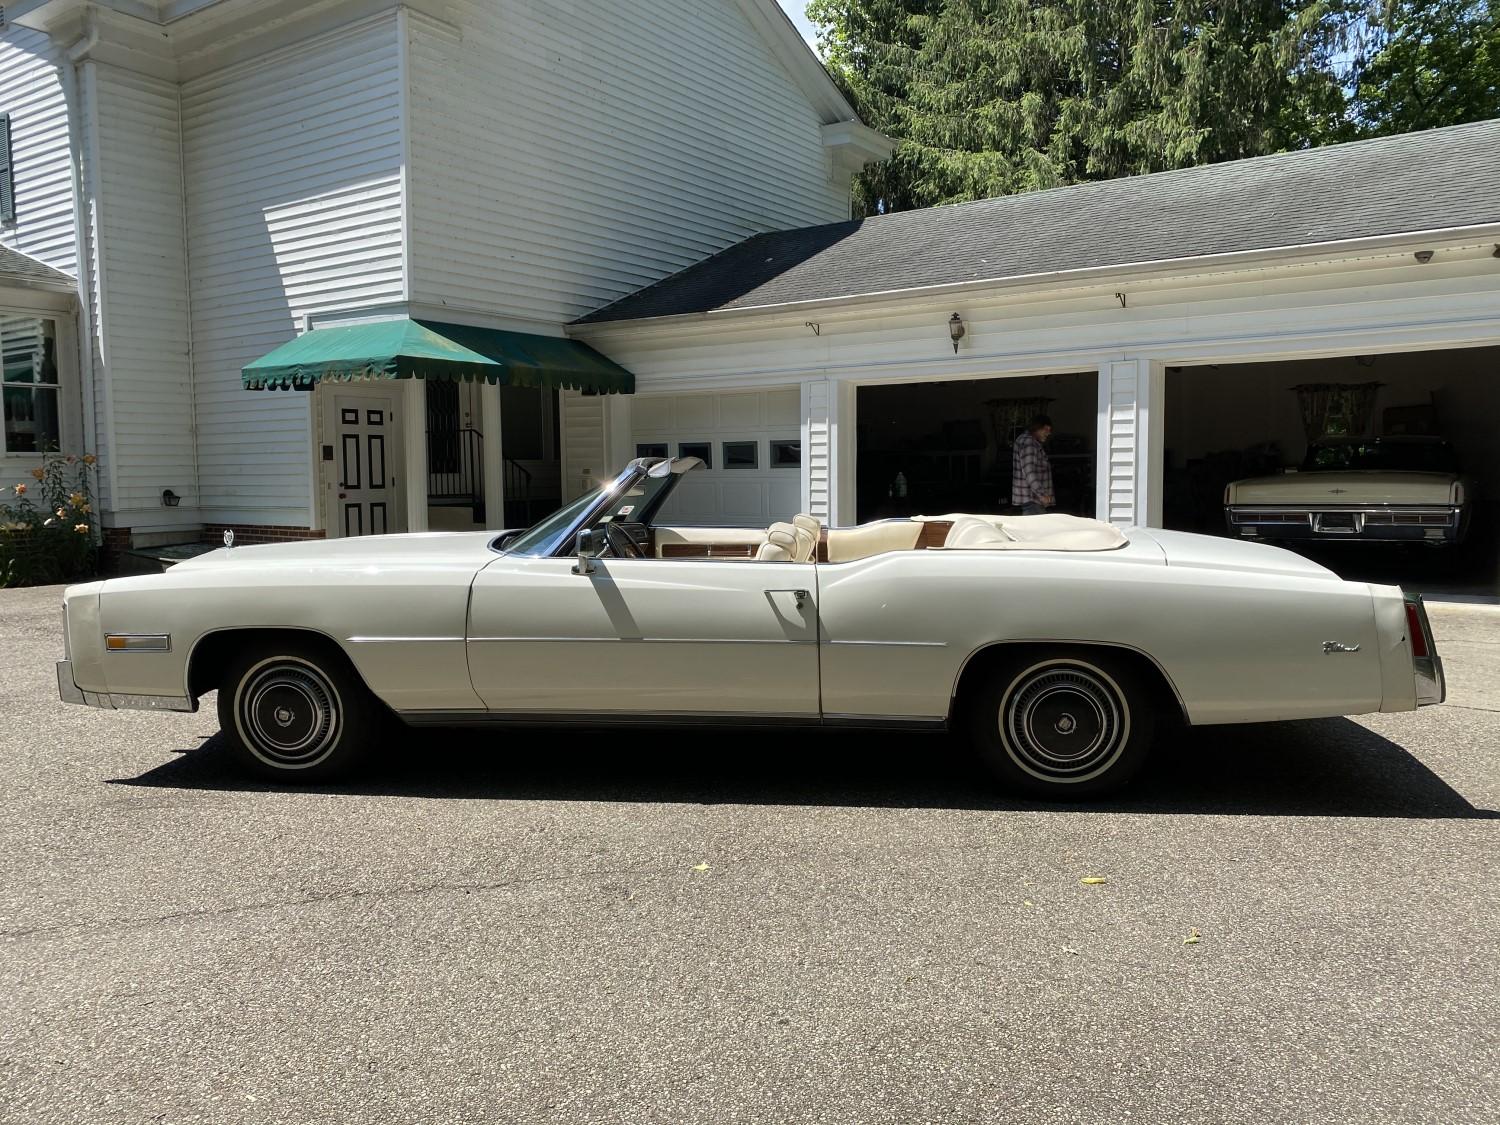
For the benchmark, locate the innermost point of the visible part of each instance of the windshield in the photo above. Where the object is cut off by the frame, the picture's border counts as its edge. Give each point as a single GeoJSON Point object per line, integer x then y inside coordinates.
{"type": "Point", "coordinates": [630, 498]}
{"type": "Point", "coordinates": [1391, 456]}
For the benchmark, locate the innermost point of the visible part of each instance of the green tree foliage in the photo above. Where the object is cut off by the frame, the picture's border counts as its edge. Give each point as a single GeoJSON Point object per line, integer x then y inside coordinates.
{"type": "Point", "coordinates": [992, 97]}
{"type": "Point", "coordinates": [1435, 62]}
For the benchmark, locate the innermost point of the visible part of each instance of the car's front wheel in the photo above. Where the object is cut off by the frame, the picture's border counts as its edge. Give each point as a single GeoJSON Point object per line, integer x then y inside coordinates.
{"type": "Point", "coordinates": [295, 713]}
{"type": "Point", "coordinates": [1063, 724]}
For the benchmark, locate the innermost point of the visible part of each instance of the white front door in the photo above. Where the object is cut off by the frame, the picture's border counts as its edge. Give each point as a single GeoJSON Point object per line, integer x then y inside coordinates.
{"type": "Point", "coordinates": [716, 638]}
{"type": "Point", "coordinates": [366, 449]}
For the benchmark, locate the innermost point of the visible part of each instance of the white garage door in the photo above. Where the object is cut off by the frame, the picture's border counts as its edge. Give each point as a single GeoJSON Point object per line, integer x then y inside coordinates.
{"type": "Point", "coordinates": [750, 442]}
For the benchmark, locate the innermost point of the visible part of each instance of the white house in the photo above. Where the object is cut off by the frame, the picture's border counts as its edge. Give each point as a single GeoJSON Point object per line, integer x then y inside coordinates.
{"type": "Point", "coordinates": [193, 183]}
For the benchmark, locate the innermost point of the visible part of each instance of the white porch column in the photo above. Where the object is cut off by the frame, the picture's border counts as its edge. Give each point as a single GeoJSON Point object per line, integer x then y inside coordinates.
{"type": "Point", "coordinates": [494, 456]}
{"type": "Point", "coordinates": [817, 444]}
{"type": "Point", "coordinates": [843, 508]}
{"type": "Point", "coordinates": [1129, 449]}
{"type": "Point", "coordinates": [414, 441]}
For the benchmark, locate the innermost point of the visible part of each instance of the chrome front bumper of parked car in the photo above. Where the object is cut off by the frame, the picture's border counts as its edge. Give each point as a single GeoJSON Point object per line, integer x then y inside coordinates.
{"type": "Point", "coordinates": [69, 692]}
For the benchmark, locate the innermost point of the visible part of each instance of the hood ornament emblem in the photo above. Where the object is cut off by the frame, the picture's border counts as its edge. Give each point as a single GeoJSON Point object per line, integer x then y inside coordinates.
{"type": "Point", "coordinates": [1331, 647]}
{"type": "Point", "coordinates": [228, 538]}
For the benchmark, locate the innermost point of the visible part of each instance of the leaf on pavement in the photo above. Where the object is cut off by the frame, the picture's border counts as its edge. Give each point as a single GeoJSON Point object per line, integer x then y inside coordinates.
{"type": "Point", "coordinates": [701, 867]}
{"type": "Point", "coordinates": [1093, 880]}
{"type": "Point", "coordinates": [1192, 938]}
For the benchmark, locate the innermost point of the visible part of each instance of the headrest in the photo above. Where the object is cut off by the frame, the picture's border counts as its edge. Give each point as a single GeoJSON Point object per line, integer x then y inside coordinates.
{"type": "Point", "coordinates": [804, 543]}
{"type": "Point", "coordinates": [783, 535]}
{"type": "Point", "coordinates": [802, 519]}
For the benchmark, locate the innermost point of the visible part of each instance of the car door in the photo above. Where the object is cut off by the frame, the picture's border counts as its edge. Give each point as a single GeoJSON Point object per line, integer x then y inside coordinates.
{"type": "Point", "coordinates": [643, 637]}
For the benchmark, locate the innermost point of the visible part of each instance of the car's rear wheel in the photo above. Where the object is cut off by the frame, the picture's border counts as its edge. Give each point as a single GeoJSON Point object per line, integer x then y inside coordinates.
{"type": "Point", "coordinates": [1063, 724]}
{"type": "Point", "coordinates": [295, 713]}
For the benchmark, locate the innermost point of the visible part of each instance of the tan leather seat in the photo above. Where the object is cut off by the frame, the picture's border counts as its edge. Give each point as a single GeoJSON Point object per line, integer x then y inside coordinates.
{"type": "Point", "coordinates": [845, 544]}
{"type": "Point", "coordinates": [804, 543]}
{"type": "Point", "coordinates": [810, 524]}
{"type": "Point", "coordinates": [779, 545]}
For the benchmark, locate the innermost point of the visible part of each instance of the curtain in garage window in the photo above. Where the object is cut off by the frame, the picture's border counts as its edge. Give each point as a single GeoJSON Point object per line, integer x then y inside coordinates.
{"type": "Point", "coordinates": [1336, 409]}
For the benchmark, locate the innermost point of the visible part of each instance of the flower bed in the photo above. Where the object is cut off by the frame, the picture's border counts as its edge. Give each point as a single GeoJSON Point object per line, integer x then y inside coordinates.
{"type": "Point", "coordinates": [47, 523]}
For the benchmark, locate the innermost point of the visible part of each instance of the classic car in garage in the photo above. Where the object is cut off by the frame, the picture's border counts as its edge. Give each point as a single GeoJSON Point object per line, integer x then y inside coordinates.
{"type": "Point", "coordinates": [1058, 644]}
{"type": "Point", "coordinates": [1402, 489]}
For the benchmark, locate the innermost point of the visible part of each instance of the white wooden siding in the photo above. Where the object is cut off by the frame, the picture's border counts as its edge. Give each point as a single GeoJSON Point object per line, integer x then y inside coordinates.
{"type": "Point", "coordinates": [293, 169]}
{"type": "Point", "coordinates": [144, 397]}
{"type": "Point", "coordinates": [817, 456]}
{"type": "Point", "coordinates": [583, 443]}
{"type": "Point", "coordinates": [31, 92]}
{"type": "Point", "coordinates": [565, 154]}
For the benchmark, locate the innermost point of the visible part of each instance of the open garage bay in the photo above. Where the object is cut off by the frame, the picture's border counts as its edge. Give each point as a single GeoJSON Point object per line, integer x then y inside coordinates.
{"type": "Point", "coordinates": [1230, 422]}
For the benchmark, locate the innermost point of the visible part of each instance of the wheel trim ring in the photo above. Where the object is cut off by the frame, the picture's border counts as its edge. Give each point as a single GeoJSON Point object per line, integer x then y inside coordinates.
{"type": "Point", "coordinates": [1101, 759]}
{"type": "Point", "coordinates": [303, 679]}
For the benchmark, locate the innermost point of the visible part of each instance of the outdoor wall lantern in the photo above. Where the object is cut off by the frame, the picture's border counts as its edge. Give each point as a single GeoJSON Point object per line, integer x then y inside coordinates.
{"type": "Point", "coordinates": [170, 498]}
{"type": "Point", "coordinates": [956, 330]}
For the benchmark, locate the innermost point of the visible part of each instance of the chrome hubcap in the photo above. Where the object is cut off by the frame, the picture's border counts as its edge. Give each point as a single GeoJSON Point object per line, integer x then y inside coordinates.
{"type": "Point", "coordinates": [1064, 722]}
{"type": "Point", "coordinates": [288, 713]}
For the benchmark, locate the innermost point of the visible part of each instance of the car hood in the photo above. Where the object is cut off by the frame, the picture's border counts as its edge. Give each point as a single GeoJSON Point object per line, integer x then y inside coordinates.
{"type": "Point", "coordinates": [365, 550]}
{"type": "Point", "coordinates": [1212, 552]}
{"type": "Point", "coordinates": [1371, 487]}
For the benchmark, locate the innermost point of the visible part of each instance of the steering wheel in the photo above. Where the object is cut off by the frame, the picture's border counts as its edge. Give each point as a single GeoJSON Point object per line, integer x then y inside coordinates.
{"type": "Point", "coordinates": [621, 545]}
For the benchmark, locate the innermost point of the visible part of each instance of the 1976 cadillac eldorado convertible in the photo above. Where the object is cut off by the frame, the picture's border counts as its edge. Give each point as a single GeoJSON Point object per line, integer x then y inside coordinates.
{"type": "Point", "coordinates": [1057, 643]}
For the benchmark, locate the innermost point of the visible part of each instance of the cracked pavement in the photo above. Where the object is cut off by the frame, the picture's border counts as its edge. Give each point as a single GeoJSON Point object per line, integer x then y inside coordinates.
{"type": "Point", "coordinates": [571, 926]}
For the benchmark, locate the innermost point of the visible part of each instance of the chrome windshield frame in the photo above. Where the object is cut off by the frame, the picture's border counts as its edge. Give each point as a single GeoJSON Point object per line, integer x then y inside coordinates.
{"type": "Point", "coordinates": [564, 538]}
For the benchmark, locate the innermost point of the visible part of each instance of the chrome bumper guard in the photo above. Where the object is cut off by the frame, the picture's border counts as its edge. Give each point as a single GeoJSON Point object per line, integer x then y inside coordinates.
{"type": "Point", "coordinates": [69, 692]}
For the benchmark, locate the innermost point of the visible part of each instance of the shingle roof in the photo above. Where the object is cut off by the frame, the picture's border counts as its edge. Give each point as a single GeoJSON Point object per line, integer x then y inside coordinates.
{"type": "Point", "coordinates": [1425, 181]}
{"type": "Point", "coordinates": [16, 267]}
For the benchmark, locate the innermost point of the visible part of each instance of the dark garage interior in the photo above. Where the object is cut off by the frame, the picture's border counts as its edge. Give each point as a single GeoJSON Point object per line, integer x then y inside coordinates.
{"type": "Point", "coordinates": [935, 447]}
{"type": "Point", "coordinates": [1228, 422]}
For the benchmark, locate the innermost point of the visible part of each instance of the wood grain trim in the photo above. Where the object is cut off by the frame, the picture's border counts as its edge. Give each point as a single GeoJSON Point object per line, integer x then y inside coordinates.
{"type": "Point", "coordinates": [823, 545]}
{"type": "Point", "coordinates": [708, 550]}
{"type": "Point", "coordinates": [933, 534]}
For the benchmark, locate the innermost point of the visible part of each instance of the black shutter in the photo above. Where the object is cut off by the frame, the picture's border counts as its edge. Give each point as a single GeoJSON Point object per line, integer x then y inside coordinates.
{"type": "Point", "coordinates": [7, 173]}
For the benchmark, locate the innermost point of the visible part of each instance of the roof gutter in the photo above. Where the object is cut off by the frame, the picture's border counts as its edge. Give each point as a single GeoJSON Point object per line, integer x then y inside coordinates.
{"type": "Point", "coordinates": [1083, 277]}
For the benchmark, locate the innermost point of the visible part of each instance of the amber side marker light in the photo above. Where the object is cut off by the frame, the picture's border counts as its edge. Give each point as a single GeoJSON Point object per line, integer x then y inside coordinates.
{"type": "Point", "coordinates": [150, 642]}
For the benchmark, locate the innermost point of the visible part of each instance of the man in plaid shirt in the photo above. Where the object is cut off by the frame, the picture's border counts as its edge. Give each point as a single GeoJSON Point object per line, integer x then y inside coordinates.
{"type": "Point", "coordinates": [1031, 472]}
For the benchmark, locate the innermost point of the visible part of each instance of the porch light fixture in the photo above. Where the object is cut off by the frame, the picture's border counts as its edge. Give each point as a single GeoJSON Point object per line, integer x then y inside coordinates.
{"type": "Point", "coordinates": [1423, 256]}
{"type": "Point", "coordinates": [170, 498]}
{"type": "Point", "coordinates": [956, 330]}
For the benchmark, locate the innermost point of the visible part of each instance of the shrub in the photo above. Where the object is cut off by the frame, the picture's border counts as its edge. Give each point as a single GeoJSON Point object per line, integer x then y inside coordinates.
{"type": "Point", "coordinates": [47, 523]}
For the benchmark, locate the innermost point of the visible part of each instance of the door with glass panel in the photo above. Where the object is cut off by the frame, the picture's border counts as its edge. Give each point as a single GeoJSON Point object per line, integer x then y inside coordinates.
{"type": "Point", "coordinates": [366, 449]}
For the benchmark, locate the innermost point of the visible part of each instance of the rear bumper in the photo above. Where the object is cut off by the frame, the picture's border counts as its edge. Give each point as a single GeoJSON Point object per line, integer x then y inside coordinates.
{"type": "Point", "coordinates": [1414, 523]}
{"type": "Point", "coordinates": [69, 692]}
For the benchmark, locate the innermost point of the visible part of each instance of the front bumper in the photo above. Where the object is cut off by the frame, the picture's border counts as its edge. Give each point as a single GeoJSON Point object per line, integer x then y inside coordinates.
{"type": "Point", "coordinates": [1417, 523]}
{"type": "Point", "coordinates": [69, 692]}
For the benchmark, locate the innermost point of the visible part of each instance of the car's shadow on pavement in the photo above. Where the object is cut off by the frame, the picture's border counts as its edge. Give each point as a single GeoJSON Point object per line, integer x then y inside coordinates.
{"type": "Point", "coordinates": [1329, 767]}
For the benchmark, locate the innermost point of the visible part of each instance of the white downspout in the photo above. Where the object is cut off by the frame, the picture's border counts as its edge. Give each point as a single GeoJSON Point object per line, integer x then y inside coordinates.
{"type": "Point", "coordinates": [83, 264]}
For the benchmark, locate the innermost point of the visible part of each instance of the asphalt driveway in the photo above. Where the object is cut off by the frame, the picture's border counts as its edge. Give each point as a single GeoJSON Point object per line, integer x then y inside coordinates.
{"type": "Point", "coordinates": [703, 927]}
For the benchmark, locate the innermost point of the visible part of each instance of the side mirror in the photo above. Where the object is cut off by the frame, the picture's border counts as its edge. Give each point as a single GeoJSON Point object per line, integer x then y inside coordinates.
{"type": "Point", "coordinates": [587, 546]}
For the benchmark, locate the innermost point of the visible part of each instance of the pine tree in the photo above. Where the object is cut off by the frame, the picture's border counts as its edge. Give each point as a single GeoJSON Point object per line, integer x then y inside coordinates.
{"type": "Point", "coordinates": [992, 97]}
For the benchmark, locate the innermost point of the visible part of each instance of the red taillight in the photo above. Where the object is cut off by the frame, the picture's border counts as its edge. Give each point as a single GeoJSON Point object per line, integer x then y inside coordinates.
{"type": "Point", "coordinates": [1414, 630]}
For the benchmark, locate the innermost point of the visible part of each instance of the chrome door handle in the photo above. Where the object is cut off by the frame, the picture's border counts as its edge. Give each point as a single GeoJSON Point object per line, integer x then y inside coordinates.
{"type": "Point", "coordinates": [800, 595]}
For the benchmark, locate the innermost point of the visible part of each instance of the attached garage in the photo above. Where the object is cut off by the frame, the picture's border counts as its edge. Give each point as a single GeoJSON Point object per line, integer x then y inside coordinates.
{"type": "Point", "coordinates": [1162, 321]}
{"type": "Point", "coordinates": [750, 443]}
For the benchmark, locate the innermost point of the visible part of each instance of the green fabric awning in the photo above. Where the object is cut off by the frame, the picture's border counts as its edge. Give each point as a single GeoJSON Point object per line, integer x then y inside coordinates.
{"type": "Point", "coordinates": [430, 349]}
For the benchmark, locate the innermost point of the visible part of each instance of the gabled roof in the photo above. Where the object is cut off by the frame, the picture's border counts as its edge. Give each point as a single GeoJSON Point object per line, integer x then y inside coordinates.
{"type": "Point", "coordinates": [1435, 180]}
{"type": "Point", "coordinates": [20, 269]}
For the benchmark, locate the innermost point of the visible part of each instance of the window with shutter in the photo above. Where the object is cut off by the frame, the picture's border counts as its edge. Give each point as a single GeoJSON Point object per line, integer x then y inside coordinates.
{"type": "Point", "coordinates": [7, 175]}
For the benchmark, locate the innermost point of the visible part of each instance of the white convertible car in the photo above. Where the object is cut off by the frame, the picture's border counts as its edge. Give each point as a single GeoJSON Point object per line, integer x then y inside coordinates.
{"type": "Point", "coordinates": [1057, 643]}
